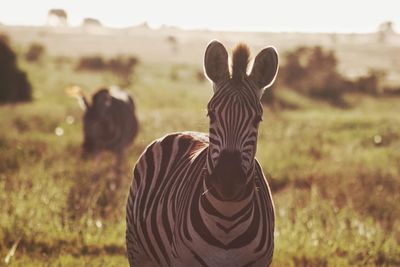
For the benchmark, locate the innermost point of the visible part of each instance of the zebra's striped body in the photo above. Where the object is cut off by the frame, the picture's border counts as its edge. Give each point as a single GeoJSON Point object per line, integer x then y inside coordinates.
{"type": "Point", "coordinates": [202, 200]}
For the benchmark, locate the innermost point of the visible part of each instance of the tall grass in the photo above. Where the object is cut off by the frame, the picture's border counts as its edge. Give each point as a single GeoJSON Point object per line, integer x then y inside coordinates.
{"type": "Point", "coordinates": [335, 174]}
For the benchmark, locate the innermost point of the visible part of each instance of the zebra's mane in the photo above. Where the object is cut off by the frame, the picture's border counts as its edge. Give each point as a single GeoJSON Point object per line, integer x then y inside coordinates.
{"type": "Point", "coordinates": [240, 60]}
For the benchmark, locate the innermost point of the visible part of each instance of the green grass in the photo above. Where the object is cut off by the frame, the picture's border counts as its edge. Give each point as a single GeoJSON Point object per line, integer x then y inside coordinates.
{"type": "Point", "coordinates": [336, 189]}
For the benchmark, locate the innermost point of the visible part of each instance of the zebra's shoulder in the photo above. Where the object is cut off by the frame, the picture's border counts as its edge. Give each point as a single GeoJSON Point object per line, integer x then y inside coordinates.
{"type": "Point", "coordinates": [192, 140]}
{"type": "Point", "coordinates": [188, 136]}
{"type": "Point", "coordinates": [196, 136]}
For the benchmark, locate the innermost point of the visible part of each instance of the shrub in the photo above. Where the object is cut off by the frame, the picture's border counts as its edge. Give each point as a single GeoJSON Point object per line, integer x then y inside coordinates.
{"type": "Point", "coordinates": [14, 84]}
{"type": "Point", "coordinates": [91, 22]}
{"type": "Point", "coordinates": [372, 82]}
{"type": "Point", "coordinates": [173, 43]}
{"type": "Point", "coordinates": [313, 71]}
{"type": "Point", "coordinates": [95, 63]}
{"type": "Point", "coordinates": [121, 66]}
{"type": "Point", "coordinates": [35, 52]}
{"type": "Point", "coordinates": [4, 38]}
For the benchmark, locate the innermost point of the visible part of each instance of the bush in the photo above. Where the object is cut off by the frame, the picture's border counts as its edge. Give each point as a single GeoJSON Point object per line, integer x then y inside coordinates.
{"type": "Point", "coordinates": [35, 52]}
{"type": "Point", "coordinates": [91, 22]}
{"type": "Point", "coordinates": [313, 71]}
{"type": "Point", "coordinates": [371, 83]}
{"type": "Point", "coordinates": [14, 84]}
{"type": "Point", "coordinates": [121, 66]}
{"type": "Point", "coordinates": [4, 38]}
{"type": "Point", "coordinates": [173, 43]}
{"type": "Point", "coordinates": [94, 63]}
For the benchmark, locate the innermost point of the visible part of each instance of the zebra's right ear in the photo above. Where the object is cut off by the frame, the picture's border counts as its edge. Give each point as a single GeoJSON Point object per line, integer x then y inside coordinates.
{"type": "Point", "coordinates": [265, 68]}
{"type": "Point", "coordinates": [83, 102]}
{"type": "Point", "coordinates": [216, 62]}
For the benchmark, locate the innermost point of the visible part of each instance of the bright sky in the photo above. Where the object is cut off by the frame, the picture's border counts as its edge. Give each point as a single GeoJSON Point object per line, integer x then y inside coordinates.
{"type": "Point", "coordinates": [245, 15]}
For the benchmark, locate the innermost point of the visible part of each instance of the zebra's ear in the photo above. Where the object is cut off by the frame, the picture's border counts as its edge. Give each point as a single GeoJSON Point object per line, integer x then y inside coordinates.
{"type": "Point", "coordinates": [83, 102]}
{"type": "Point", "coordinates": [265, 68]}
{"type": "Point", "coordinates": [77, 92]}
{"type": "Point", "coordinates": [216, 62]}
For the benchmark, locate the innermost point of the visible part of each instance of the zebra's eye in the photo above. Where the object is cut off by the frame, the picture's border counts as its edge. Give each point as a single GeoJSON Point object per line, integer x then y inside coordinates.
{"type": "Point", "coordinates": [257, 120]}
{"type": "Point", "coordinates": [211, 115]}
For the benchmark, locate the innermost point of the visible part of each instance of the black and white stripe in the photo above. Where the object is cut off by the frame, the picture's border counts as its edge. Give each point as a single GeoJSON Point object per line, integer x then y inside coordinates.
{"type": "Point", "coordinates": [202, 200]}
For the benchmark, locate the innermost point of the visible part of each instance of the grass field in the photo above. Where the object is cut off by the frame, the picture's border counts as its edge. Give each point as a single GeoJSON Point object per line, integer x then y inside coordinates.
{"type": "Point", "coordinates": [334, 173]}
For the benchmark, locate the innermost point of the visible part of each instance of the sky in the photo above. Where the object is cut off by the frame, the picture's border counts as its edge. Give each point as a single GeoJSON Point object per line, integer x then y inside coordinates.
{"type": "Point", "coordinates": [245, 15]}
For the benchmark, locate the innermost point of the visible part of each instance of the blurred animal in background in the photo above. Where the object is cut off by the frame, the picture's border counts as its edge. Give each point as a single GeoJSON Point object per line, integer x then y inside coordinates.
{"type": "Point", "coordinates": [109, 122]}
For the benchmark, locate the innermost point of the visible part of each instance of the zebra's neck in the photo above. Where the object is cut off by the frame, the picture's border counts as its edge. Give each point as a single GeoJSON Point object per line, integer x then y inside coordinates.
{"type": "Point", "coordinates": [227, 208]}
{"type": "Point", "coordinates": [227, 220]}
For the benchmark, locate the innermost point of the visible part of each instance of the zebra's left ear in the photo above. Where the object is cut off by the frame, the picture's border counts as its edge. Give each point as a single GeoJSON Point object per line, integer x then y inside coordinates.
{"type": "Point", "coordinates": [265, 68]}
{"type": "Point", "coordinates": [216, 62]}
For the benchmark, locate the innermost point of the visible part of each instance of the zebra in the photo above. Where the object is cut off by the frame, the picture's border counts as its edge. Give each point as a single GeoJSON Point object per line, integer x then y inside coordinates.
{"type": "Point", "coordinates": [202, 199]}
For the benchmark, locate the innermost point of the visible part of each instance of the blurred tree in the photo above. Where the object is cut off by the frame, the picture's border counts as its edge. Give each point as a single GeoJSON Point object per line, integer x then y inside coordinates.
{"type": "Point", "coordinates": [372, 83]}
{"type": "Point", "coordinates": [313, 71]}
{"type": "Point", "coordinates": [4, 38]}
{"type": "Point", "coordinates": [385, 30]}
{"type": "Point", "coordinates": [91, 22]}
{"type": "Point", "coordinates": [57, 17]}
{"type": "Point", "coordinates": [122, 66]}
{"type": "Point", "coordinates": [14, 84]}
{"type": "Point", "coordinates": [94, 63]}
{"type": "Point", "coordinates": [35, 52]}
{"type": "Point", "coordinates": [173, 42]}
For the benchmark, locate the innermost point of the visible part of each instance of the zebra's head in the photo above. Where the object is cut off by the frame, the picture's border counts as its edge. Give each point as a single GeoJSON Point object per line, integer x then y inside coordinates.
{"type": "Point", "coordinates": [235, 111]}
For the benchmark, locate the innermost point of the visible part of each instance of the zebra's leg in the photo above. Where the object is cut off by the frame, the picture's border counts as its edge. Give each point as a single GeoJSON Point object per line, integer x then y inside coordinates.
{"type": "Point", "coordinates": [119, 156]}
{"type": "Point", "coordinates": [144, 263]}
{"type": "Point", "coordinates": [147, 264]}
{"type": "Point", "coordinates": [136, 256]}
{"type": "Point", "coordinates": [96, 163]}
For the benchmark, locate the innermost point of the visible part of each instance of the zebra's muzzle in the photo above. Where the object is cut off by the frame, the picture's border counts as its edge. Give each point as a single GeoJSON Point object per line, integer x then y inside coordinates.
{"type": "Point", "coordinates": [228, 178]}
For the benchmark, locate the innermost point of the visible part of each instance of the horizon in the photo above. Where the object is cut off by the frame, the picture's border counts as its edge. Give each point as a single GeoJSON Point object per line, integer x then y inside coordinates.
{"type": "Point", "coordinates": [300, 17]}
